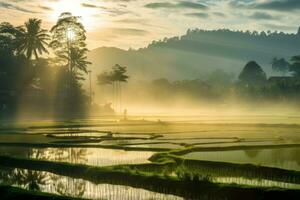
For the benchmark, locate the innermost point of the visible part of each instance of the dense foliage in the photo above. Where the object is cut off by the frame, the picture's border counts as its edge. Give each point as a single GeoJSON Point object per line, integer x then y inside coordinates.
{"type": "Point", "coordinates": [48, 85]}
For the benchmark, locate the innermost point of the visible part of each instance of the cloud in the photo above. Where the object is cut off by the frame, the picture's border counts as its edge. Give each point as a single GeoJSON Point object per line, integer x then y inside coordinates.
{"type": "Point", "coordinates": [15, 7]}
{"type": "Point", "coordinates": [197, 15]}
{"type": "Point", "coordinates": [219, 14]}
{"type": "Point", "coordinates": [128, 31]}
{"type": "Point", "coordinates": [87, 5]}
{"type": "Point", "coordinates": [281, 5]}
{"type": "Point", "coordinates": [112, 11]}
{"type": "Point", "coordinates": [181, 4]}
{"type": "Point", "coordinates": [45, 8]}
{"type": "Point", "coordinates": [277, 5]}
{"type": "Point", "coordinates": [263, 16]}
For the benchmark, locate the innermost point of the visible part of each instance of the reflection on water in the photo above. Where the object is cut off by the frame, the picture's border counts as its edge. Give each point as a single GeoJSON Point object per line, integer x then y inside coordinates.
{"type": "Point", "coordinates": [88, 156]}
{"type": "Point", "coordinates": [30, 180]}
{"type": "Point", "coordinates": [285, 158]}
{"type": "Point", "coordinates": [52, 183]}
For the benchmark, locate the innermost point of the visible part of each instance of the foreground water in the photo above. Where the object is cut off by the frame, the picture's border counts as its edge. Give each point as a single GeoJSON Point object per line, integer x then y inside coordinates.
{"type": "Point", "coordinates": [245, 132]}
{"type": "Point", "coordinates": [55, 184]}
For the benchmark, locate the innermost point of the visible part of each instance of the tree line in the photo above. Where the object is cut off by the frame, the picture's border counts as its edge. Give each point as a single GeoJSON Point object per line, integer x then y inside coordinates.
{"type": "Point", "coordinates": [251, 85]}
{"type": "Point", "coordinates": [24, 69]}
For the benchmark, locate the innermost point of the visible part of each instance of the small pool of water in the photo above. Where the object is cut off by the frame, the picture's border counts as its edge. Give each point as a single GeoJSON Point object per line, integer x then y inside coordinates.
{"type": "Point", "coordinates": [88, 156]}
{"type": "Point", "coordinates": [285, 158]}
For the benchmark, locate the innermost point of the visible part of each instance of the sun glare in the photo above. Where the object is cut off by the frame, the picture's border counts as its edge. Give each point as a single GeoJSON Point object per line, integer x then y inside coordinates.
{"type": "Point", "coordinates": [76, 8]}
{"type": "Point", "coordinates": [71, 34]}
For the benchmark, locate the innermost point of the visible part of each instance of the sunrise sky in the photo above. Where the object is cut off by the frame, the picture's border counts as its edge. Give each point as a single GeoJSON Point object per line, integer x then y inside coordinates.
{"type": "Point", "coordinates": [135, 23]}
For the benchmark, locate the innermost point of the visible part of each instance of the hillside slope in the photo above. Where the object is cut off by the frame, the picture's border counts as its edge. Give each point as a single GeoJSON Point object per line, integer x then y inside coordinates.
{"type": "Point", "coordinates": [198, 52]}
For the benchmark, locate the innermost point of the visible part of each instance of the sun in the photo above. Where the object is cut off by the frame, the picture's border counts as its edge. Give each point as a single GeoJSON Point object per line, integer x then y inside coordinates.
{"type": "Point", "coordinates": [71, 34]}
{"type": "Point", "coordinates": [74, 7]}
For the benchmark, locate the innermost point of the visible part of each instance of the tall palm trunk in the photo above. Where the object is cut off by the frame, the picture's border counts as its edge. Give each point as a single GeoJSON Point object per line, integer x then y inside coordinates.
{"type": "Point", "coordinates": [114, 96]}
{"type": "Point", "coordinates": [120, 95]}
{"type": "Point", "coordinates": [36, 55]}
{"type": "Point", "coordinates": [117, 96]}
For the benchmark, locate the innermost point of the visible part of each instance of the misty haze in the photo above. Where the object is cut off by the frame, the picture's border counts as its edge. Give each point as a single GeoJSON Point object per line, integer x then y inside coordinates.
{"type": "Point", "coordinates": [150, 99]}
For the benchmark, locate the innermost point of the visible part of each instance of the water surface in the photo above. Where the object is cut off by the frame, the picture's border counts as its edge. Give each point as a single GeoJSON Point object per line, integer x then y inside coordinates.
{"type": "Point", "coordinates": [285, 158]}
{"type": "Point", "coordinates": [62, 185]}
{"type": "Point", "coordinates": [88, 156]}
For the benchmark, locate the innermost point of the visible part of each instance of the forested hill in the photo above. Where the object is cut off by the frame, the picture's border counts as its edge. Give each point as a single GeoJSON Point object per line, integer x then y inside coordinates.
{"type": "Point", "coordinates": [200, 51]}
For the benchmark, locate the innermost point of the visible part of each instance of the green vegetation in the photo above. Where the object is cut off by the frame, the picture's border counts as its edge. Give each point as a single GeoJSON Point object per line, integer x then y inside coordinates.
{"type": "Point", "coordinates": [49, 86]}
{"type": "Point", "coordinates": [147, 180]}
{"type": "Point", "coordinates": [114, 77]}
{"type": "Point", "coordinates": [168, 172]}
{"type": "Point", "coordinates": [252, 74]}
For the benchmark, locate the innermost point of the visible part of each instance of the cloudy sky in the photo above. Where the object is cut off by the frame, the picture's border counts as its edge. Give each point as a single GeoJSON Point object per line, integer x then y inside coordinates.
{"type": "Point", "coordinates": [135, 23]}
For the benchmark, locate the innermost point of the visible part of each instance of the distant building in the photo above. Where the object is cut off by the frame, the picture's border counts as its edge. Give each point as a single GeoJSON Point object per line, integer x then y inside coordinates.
{"type": "Point", "coordinates": [281, 79]}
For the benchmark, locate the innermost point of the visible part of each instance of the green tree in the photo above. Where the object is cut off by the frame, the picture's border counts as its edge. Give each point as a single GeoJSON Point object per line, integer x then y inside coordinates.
{"type": "Point", "coordinates": [16, 73]}
{"type": "Point", "coordinates": [220, 77]}
{"type": "Point", "coordinates": [115, 77]}
{"type": "Point", "coordinates": [119, 76]}
{"type": "Point", "coordinates": [69, 43]}
{"type": "Point", "coordinates": [280, 65]}
{"type": "Point", "coordinates": [9, 40]}
{"type": "Point", "coordinates": [32, 39]}
{"type": "Point", "coordinates": [252, 74]}
{"type": "Point", "coordinates": [119, 73]}
{"type": "Point", "coordinates": [295, 66]}
{"type": "Point", "coordinates": [78, 61]}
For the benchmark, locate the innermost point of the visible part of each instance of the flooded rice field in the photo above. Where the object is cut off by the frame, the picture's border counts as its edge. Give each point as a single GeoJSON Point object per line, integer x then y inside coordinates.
{"type": "Point", "coordinates": [88, 156]}
{"type": "Point", "coordinates": [168, 148]}
{"type": "Point", "coordinates": [285, 158]}
{"type": "Point", "coordinates": [62, 185]}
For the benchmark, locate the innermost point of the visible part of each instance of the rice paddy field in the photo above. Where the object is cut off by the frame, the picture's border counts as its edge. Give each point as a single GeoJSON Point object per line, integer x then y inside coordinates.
{"type": "Point", "coordinates": [154, 157]}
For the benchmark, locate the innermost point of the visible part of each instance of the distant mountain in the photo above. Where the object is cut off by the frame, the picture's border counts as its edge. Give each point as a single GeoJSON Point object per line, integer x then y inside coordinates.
{"type": "Point", "coordinates": [198, 52]}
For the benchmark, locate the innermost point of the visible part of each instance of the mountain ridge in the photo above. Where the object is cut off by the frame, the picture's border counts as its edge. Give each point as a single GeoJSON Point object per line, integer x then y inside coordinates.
{"type": "Point", "coordinates": [199, 52]}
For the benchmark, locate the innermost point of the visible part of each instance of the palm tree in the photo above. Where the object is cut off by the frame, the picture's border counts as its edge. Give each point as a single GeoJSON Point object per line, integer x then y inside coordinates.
{"type": "Point", "coordinates": [119, 76]}
{"type": "Point", "coordinates": [33, 39]}
{"type": "Point", "coordinates": [78, 60]}
{"type": "Point", "coordinates": [114, 77]}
